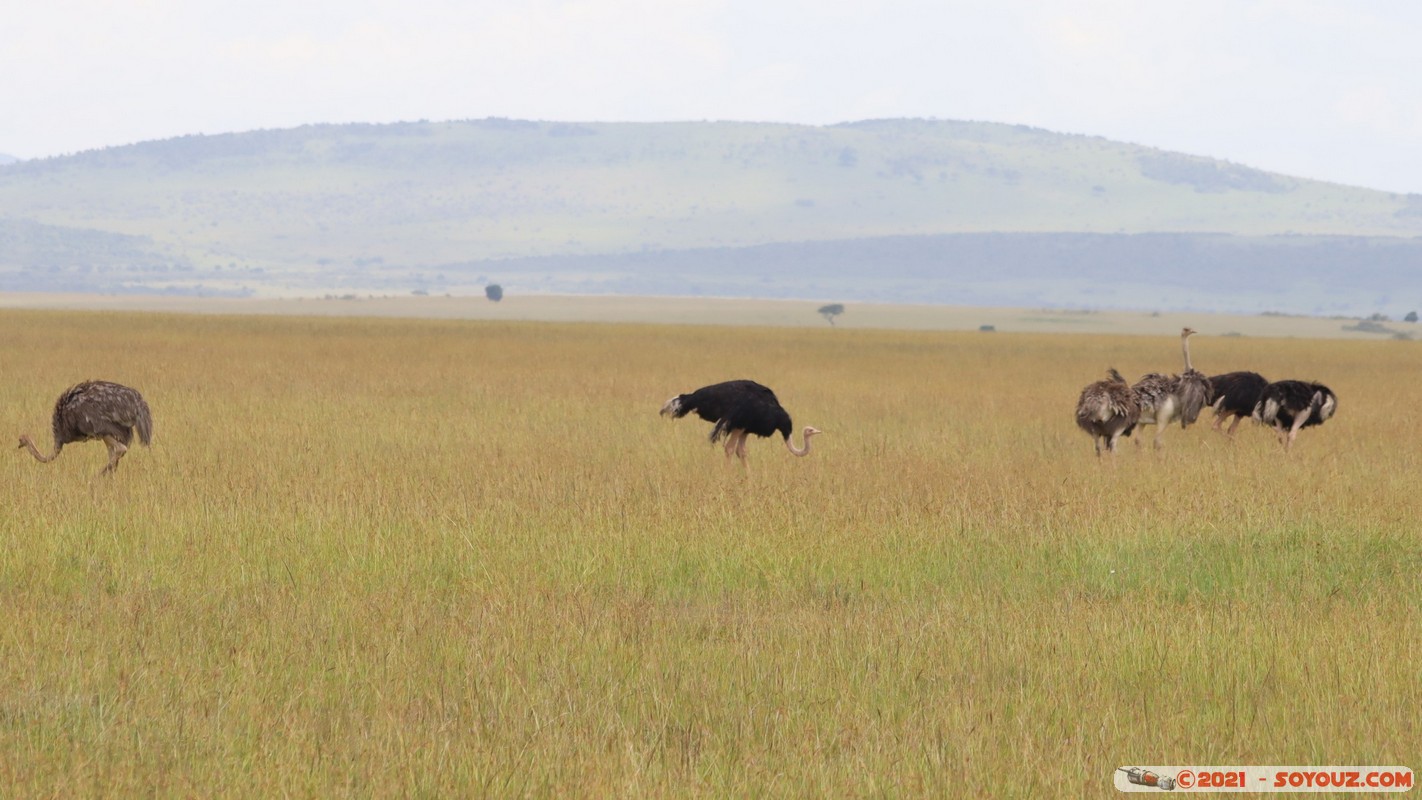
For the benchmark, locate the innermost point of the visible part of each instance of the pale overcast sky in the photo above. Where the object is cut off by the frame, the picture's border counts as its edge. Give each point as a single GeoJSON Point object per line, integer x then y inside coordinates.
{"type": "Point", "coordinates": [1319, 89]}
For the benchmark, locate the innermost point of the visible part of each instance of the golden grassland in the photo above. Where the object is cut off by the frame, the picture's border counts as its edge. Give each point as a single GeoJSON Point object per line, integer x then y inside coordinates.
{"type": "Point", "coordinates": [381, 557]}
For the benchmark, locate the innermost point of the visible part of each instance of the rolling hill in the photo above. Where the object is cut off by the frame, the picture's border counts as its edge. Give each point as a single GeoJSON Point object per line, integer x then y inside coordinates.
{"type": "Point", "coordinates": [675, 207]}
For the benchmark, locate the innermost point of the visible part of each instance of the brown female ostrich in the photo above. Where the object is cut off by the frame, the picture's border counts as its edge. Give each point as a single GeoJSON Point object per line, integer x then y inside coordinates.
{"type": "Point", "coordinates": [739, 408]}
{"type": "Point", "coordinates": [1107, 409]}
{"type": "Point", "coordinates": [1292, 405]}
{"type": "Point", "coordinates": [97, 410]}
{"type": "Point", "coordinates": [1195, 390]}
{"type": "Point", "coordinates": [1236, 395]}
{"type": "Point", "coordinates": [1167, 398]}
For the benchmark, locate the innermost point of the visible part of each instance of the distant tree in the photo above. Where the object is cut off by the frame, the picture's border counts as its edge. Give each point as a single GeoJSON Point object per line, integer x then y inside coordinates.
{"type": "Point", "coordinates": [494, 292]}
{"type": "Point", "coordinates": [1411, 317]}
{"type": "Point", "coordinates": [831, 311]}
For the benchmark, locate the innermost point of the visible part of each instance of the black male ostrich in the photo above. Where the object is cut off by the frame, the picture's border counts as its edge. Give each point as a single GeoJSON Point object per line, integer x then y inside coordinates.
{"type": "Point", "coordinates": [739, 408]}
{"type": "Point", "coordinates": [1107, 409]}
{"type": "Point", "coordinates": [98, 410]}
{"type": "Point", "coordinates": [1292, 405]}
{"type": "Point", "coordinates": [1236, 395]}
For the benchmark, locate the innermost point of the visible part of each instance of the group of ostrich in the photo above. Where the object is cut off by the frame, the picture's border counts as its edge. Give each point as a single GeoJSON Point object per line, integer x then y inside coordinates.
{"type": "Point", "coordinates": [1114, 408]}
{"type": "Point", "coordinates": [1109, 409]}
{"type": "Point", "coordinates": [112, 413]}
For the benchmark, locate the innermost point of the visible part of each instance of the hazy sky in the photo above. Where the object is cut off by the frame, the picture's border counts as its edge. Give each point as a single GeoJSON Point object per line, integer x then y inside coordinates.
{"type": "Point", "coordinates": [1320, 89]}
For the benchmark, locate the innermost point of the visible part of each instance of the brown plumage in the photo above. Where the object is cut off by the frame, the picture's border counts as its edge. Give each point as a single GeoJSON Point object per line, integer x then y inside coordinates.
{"type": "Point", "coordinates": [1170, 398]}
{"type": "Point", "coordinates": [101, 410]}
{"type": "Point", "coordinates": [1156, 394]}
{"type": "Point", "coordinates": [1194, 390]}
{"type": "Point", "coordinates": [1106, 410]}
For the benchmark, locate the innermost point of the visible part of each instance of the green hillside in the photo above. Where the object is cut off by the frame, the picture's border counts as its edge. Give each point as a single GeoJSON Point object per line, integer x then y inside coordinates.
{"type": "Point", "coordinates": [335, 205]}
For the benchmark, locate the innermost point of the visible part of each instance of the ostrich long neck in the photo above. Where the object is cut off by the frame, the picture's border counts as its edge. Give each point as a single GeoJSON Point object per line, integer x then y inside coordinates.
{"type": "Point", "coordinates": [25, 440]}
{"type": "Point", "coordinates": [800, 451]}
{"type": "Point", "coordinates": [1185, 346]}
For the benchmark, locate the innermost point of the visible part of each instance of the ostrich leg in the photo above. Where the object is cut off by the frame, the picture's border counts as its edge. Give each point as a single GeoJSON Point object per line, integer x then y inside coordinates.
{"type": "Point", "coordinates": [732, 445]}
{"type": "Point", "coordinates": [1111, 444]}
{"type": "Point", "coordinates": [116, 451]}
{"type": "Point", "coordinates": [1294, 430]}
{"type": "Point", "coordinates": [741, 446]}
{"type": "Point", "coordinates": [1237, 419]}
{"type": "Point", "coordinates": [1219, 421]}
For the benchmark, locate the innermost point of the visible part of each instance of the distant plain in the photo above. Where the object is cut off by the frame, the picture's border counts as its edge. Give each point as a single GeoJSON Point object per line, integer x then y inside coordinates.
{"type": "Point", "coordinates": [726, 311]}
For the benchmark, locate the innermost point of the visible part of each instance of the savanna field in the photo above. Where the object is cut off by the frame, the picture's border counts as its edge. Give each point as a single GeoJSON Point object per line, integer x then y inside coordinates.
{"type": "Point", "coordinates": [374, 557]}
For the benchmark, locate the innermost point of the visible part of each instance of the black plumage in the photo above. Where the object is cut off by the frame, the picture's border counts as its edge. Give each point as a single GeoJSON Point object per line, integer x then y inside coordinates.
{"type": "Point", "coordinates": [102, 410]}
{"type": "Point", "coordinates": [738, 408]}
{"type": "Point", "coordinates": [1290, 406]}
{"type": "Point", "coordinates": [753, 403]}
{"type": "Point", "coordinates": [1236, 395]}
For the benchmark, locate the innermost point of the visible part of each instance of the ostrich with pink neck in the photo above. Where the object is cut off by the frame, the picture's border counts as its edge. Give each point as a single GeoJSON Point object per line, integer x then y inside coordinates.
{"type": "Point", "coordinates": [738, 409]}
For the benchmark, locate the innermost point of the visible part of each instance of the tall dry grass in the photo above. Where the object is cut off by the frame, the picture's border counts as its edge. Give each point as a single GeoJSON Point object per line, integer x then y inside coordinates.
{"type": "Point", "coordinates": [394, 558]}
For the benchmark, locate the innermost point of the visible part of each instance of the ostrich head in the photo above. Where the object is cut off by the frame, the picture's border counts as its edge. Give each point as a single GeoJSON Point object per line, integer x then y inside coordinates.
{"type": "Point", "coordinates": [804, 448]}
{"type": "Point", "coordinates": [27, 443]}
{"type": "Point", "coordinates": [1185, 334]}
